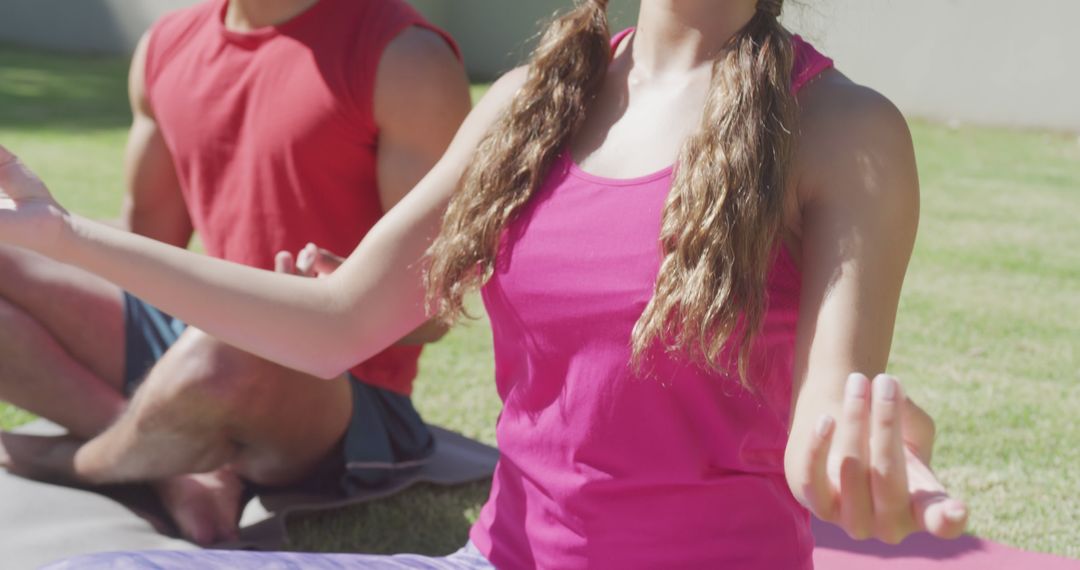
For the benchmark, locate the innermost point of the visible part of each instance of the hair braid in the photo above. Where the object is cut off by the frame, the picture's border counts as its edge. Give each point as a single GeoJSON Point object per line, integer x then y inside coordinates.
{"type": "Point", "coordinates": [566, 72]}
{"type": "Point", "coordinates": [725, 208]}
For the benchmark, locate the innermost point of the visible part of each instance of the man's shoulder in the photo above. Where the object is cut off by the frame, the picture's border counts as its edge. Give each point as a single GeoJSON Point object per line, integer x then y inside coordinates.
{"type": "Point", "coordinates": [179, 24]}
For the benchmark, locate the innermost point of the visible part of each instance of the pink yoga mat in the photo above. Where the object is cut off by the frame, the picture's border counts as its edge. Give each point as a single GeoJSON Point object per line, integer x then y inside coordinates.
{"type": "Point", "coordinates": [835, 551]}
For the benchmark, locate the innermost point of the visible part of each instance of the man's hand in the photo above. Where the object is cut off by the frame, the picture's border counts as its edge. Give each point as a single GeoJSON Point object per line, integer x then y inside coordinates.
{"type": "Point", "coordinates": [312, 261]}
{"type": "Point", "coordinates": [869, 473]}
{"type": "Point", "coordinates": [29, 216]}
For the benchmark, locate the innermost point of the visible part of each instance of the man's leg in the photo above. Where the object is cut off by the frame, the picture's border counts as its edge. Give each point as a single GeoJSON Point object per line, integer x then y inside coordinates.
{"type": "Point", "coordinates": [210, 409]}
{"type": "Point", "coordinates": [205, 405]}
{"type": "Point", "coordinates": [61, 342]}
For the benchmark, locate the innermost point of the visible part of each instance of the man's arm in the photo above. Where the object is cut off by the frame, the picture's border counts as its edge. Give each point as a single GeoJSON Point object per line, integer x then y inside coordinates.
{"type": "Point", "coordinates": [153, 206]}
{"type": "Point", "coordinates": [421, 98]}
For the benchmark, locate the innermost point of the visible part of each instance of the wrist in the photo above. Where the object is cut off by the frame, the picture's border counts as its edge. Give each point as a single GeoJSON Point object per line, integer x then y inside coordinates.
{"type": "Point", "coordinates": [59, 234]}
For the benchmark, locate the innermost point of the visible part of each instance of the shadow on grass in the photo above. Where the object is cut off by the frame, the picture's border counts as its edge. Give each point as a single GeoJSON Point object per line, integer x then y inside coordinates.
{"type": "Point", "coordinates": [425, 519]}
{"type": "Point", "coordinates": [46, 91]}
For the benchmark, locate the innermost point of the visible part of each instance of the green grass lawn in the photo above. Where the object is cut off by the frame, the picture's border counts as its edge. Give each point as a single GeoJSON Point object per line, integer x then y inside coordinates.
{"type": "Point", "coordinates": [986, 339]}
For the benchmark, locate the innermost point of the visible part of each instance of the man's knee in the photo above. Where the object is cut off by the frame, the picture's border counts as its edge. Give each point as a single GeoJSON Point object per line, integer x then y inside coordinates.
{"type": "Point", "coordinates": [203, 371]}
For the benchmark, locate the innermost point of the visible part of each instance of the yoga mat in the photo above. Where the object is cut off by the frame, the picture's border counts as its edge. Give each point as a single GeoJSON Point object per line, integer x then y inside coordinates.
{"type": "Point", "coordinates": [835, 551]}
{"type": "Point", "coordinates": [456, 460]}
{"type": "Point", "coordinates": [42, 523]}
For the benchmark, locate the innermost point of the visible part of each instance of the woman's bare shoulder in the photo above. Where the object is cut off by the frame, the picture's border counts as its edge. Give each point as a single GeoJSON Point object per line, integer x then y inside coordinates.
{"type": "Point", "coordinates": [848, 132]}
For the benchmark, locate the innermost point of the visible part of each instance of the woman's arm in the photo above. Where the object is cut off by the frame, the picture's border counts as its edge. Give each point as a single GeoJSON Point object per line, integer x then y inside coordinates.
{"type": "Point", "coordinates": [319, 326]}
{"type": "Point", "coordinates": [850, 457]}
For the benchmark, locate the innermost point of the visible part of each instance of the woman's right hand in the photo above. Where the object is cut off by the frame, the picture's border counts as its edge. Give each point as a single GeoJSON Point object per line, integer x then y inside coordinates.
{"type": "Point", "coordinates": [29, 216]}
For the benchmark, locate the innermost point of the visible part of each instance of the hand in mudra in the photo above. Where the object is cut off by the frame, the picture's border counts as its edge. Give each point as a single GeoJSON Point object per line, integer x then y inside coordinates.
{"type": "Point", "coordinates": [868, 471]}
{"type": "Point", "coordinates": [311, 261]}
{"type": "Point", "coordinates": [29, 216]}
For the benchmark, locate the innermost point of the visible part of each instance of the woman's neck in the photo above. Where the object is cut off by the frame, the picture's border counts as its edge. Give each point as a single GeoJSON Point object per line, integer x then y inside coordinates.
{"type": "Point", "coordinates": [248, 15]}
{"type": "Point", "coordinates": [676, 36]}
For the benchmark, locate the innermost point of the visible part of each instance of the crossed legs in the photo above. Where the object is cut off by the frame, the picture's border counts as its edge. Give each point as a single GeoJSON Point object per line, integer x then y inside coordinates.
{"type": "Point", "coordinates": [206, 415]}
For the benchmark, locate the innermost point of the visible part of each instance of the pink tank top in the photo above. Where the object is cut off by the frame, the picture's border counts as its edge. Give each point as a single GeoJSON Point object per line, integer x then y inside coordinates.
{"type": "Point", "coordinates": [602, 468]}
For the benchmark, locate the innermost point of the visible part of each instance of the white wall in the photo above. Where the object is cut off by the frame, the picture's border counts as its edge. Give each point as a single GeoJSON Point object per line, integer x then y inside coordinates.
{"type": "Point", "coordinates": [496, 35]}
{"type": "Point", "coordinates": [86, 26]}
{"type": "Point", "coordinates": [1005, 62]}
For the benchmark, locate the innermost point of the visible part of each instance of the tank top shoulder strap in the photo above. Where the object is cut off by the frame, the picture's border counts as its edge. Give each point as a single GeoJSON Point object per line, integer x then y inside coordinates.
{"type": "Point", "coordinates": [619, 37]}
{"type": "Point", "coordinates": [808, 64]}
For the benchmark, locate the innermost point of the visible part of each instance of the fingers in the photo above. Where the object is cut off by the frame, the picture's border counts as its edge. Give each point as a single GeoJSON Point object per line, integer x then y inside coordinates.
{"type": "Point", "coordinates": [326, 262]}
{"type": "Point", "coordinates": [6, 156]}
{"type": "Point", "coordinates": [878, 483]}
{"type": "Point", "coordinates": [934, 510]}
{"type": "Point", "coordinates": [851, 458]}
{"type": "Point", "coordinates": [939, 514]}
{"type": "Point", "coordinates": [8, 166]}
{"type": "Point", "coordinates": [19, 181]}
{"type": "Point", "coordinates": [819, 492]}
{"type": "Point", "coordinates": [311, 261]}
{"type": "Point", "coordinates": [283, 263]}
{"type": "Point", "coordinates": [305, 260]}
{"type": "Point", "coordinates": [888, 465]}
{"type": "Point", "coordinates": [314, 261]}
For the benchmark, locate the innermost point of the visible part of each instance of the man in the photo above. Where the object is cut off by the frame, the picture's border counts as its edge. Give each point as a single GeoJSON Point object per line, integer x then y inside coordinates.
{"type": "Point", "coordinates": [262, 125]}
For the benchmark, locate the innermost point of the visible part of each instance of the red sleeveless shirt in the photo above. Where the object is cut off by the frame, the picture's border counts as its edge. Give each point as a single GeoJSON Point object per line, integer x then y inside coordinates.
{"type": "Point", "coordinates": [272, 132]}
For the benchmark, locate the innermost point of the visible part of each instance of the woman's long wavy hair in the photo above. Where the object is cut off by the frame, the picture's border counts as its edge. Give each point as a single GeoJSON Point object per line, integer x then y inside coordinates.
{"type": "Point", "coordinates": [722, 217]}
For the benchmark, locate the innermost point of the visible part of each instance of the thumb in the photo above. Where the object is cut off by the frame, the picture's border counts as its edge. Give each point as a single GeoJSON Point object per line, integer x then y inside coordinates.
{"type": "Point", "coordinates": [932, 506]}
{"type": "Point", "coordinates": [305, 260]}
{"type": "Point", "coordinates": [919, 430]}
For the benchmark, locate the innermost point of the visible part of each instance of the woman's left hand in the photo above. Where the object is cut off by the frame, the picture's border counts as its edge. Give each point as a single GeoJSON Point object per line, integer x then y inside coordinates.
{"type": "Point", "coordinates": [868, 472]}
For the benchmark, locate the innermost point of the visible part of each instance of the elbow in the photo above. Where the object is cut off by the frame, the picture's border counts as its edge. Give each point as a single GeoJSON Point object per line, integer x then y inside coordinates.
{"type": "Point", "coordinates": [328, 373]}
{"type": "Point", "coordinates": [334, 358]}
{"type": "Point", "coordinates": [427, 333]}
{"type": "Point", "coordinates": [329, 365]}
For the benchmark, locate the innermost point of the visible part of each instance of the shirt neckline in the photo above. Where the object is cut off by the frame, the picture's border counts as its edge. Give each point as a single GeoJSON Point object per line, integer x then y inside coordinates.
{"type": "Point", "coordinates": [265, 33]}
{"type": "Point", "coordinates": [575, 170]}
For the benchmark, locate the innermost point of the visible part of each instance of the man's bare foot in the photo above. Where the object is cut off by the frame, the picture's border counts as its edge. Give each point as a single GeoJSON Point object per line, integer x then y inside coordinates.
{"type": "Point", "coordinates": [205, 506]}
{"type": "Point", "coordinates": [45, 458]}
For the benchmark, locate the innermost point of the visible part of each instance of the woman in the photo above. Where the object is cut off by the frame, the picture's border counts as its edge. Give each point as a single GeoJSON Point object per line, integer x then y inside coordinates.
{"type": "Point", "coordinates": [678, 348]}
